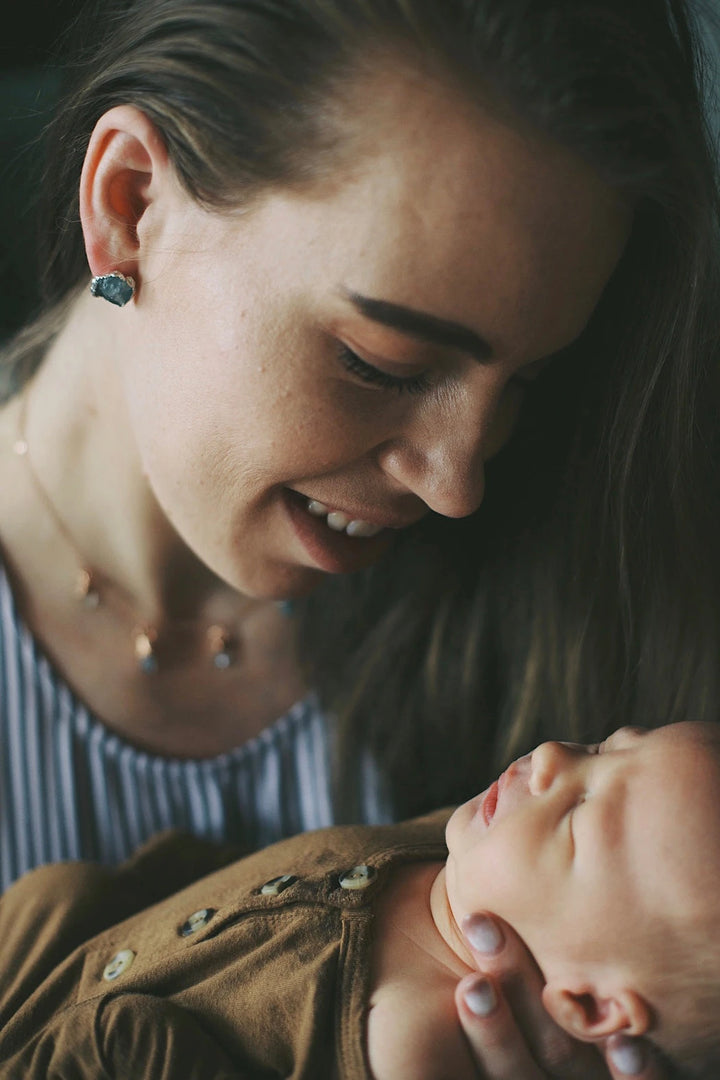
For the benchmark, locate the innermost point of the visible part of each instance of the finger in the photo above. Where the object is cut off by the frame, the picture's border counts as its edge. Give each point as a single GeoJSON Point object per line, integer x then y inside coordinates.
{"type": "Point", "coordinates": [500, 954]}
{"type": "Point", "coordinates": [631, 1058]}
{"type": "Point", "coordinates": [491, 1030]}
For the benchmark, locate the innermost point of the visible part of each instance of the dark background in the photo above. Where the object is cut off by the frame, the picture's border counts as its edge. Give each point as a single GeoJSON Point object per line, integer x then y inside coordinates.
{"type": "Point", "coordinates": [28, 83]}
{"type": "Point", "coordinates": [30, 29]}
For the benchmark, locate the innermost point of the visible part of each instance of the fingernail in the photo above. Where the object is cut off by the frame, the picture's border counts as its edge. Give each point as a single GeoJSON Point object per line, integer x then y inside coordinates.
{"type": "Point", "coordinates": [482, 934]}
{"type": "Point", "coordinates": [626, 1054]}
{"type": "Point", "coordinates": [480, 998]}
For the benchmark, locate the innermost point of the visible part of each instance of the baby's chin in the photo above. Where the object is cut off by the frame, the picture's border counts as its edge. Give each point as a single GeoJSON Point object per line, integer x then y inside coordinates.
{"type": "Point", "coordinates": [462, 817]}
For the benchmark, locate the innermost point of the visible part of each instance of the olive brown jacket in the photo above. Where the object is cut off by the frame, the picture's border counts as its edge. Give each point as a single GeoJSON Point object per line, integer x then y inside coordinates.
{"type": "Point", "coordinates": [186, 963]}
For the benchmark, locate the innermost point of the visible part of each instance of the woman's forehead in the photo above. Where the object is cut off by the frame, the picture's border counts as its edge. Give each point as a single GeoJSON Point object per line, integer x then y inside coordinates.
{"type": "Point", "coordinates": [469, 222]}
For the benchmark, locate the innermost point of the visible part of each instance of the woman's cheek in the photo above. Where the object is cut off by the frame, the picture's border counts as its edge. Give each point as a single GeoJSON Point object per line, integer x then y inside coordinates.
{"type": "Point", "coordinates": [505, 419]}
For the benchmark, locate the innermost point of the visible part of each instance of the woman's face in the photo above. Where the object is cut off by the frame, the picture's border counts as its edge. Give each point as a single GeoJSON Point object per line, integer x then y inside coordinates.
{"type": "Point", "coordinates": [357, 348]}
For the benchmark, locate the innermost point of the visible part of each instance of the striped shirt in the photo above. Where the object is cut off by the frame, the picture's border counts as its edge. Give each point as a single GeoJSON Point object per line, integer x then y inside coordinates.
{"type": "Point", "coordinates": [72, 789]}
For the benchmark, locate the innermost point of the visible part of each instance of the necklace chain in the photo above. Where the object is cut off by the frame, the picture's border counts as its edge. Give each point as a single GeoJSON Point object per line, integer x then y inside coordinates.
{"type": "Point", "coordinates": [220, 644]}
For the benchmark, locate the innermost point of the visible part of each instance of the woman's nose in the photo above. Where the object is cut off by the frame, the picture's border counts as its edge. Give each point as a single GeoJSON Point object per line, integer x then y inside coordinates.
{"type": "Point", "coordinates": [440, 454]}
{"type": "Point", "coordinates": [445, 469]}
{"type": "Point", "coordinates": [550, 762]}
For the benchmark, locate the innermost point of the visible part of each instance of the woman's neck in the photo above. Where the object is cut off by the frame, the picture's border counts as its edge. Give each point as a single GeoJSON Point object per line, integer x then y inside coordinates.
{"type": "Point", "coordinates": [83, 453]}
{"type": "Point", "coordinates": [222, 666]}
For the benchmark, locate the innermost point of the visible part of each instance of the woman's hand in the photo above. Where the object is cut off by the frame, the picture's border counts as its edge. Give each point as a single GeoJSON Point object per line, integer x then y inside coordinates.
{"type": "Point", "coordinates": [509, 1031]}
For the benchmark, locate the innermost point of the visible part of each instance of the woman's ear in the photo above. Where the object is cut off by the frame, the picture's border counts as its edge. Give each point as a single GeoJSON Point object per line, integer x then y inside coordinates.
{"type": "Point", "coordinates": [126, 165]}
{"type": "Point", "coordinates": [587, 1014]}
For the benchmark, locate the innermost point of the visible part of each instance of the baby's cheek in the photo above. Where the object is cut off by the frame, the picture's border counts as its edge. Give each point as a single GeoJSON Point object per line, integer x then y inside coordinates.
{"type": "Point", "coordinates": [498, 881]}
{"type": "Point", "coordinates": [473, 889]}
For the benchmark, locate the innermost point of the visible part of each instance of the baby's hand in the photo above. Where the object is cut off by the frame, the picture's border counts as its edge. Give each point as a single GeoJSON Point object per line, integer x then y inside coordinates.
{"type": "Point", "coordinates": [511, 1035]}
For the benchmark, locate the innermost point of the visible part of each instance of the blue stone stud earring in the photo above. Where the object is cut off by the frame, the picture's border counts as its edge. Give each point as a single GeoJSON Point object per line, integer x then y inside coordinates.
{"type": "Point", "coordinates": [115, 287]}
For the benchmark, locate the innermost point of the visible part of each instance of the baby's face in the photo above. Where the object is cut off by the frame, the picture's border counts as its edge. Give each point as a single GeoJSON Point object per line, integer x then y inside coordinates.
{"type": "Point", "coordinates": [589, 852]}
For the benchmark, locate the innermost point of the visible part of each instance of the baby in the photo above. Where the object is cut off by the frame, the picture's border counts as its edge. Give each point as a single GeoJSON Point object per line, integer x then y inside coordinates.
{"type": "Point", "coordinates": [336, 954]}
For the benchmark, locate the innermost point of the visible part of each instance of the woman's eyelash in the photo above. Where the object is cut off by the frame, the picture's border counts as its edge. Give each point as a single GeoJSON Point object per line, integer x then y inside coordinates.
{"type": "Point", "coordinates": [414, 384]}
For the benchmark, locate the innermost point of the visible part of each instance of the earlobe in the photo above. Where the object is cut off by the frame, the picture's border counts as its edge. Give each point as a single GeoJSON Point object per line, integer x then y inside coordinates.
{"type": "Point", "coordinates": [587, 1014]}
{"type": "Point", "coordinates": [124, 166]}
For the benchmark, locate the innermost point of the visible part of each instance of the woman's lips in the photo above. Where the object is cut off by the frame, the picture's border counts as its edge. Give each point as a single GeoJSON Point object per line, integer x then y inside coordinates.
{"type": "Point", "coordinates": [333, 552]}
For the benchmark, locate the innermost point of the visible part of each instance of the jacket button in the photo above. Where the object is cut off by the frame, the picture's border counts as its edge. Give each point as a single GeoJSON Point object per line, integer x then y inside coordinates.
{"type": "Point", "coordinates": [357, 878]}
{"type": "Point", "coordinates": [119, 964]}
{"type": "Point", "coordinates": [197, 921]}
{"type": "Point", "coordinates": [278, 885]}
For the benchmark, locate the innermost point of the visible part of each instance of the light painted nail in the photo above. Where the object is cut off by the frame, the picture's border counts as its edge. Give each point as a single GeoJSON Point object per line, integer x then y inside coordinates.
{"type": "Point", "coordinates": [480, 998]}
{"type": "Point", "coordinates": [626, 1055]}
{"type": "Point", "coordinates": [482, 934]}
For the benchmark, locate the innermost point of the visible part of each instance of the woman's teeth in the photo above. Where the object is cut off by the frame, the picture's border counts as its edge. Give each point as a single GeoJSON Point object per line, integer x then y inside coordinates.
{"type": "Point", "coordinates": [340, 522]}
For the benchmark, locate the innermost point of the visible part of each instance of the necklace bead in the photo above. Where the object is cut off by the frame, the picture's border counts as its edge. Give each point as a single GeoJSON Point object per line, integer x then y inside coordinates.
{"type": "Point", "coordinates": [85, 590]}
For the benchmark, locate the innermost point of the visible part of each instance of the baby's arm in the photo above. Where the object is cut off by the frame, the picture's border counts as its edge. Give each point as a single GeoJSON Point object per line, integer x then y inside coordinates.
{"type": "Point", "coordinates": [128, 1035]}
{"type": "Point", "coordinates": [53, 909]}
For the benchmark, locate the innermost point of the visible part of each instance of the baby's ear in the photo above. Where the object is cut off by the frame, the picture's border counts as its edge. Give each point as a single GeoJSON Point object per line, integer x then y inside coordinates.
{"type": "Point", "coordinates": [587, 1014]}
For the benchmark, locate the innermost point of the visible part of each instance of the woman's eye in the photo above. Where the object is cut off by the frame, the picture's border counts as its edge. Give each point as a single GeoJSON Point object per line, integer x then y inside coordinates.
{"type": "Point", "coordinates": [413, 384]}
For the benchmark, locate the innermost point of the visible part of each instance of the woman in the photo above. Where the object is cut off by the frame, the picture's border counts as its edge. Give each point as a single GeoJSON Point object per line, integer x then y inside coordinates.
{"type": "Point", "coordinates": [355, 250]}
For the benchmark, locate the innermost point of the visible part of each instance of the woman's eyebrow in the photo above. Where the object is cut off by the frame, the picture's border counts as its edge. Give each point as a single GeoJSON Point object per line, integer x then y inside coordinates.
{"type": "Point", "coordinates": [420, 324]}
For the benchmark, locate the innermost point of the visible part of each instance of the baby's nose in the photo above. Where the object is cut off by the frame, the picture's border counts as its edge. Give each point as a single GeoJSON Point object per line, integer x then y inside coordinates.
{"type": "Point", "coordinates": [547, 762]}
{"type": "Point", "coordinates": [521, 767]}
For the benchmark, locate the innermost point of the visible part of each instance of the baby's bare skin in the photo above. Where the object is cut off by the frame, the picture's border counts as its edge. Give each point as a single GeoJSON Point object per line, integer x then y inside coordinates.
{"type": "Point", "coordinates": [413, 1027]}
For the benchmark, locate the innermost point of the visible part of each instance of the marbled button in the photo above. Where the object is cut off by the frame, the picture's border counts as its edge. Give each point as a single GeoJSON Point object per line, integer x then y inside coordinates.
{"type": "Point", "coordinates": [119, 964]}
{"type": "Point", "coordinates": [357, 878]}
{"type": "Point", "coordinates": [278, 885]}
{"type": "Point", "coordinates": [197, 921]}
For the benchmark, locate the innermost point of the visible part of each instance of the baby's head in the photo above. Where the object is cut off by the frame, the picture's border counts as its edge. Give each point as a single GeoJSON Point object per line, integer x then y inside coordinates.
{"type": "Point", "coordinates": [606, 860]}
